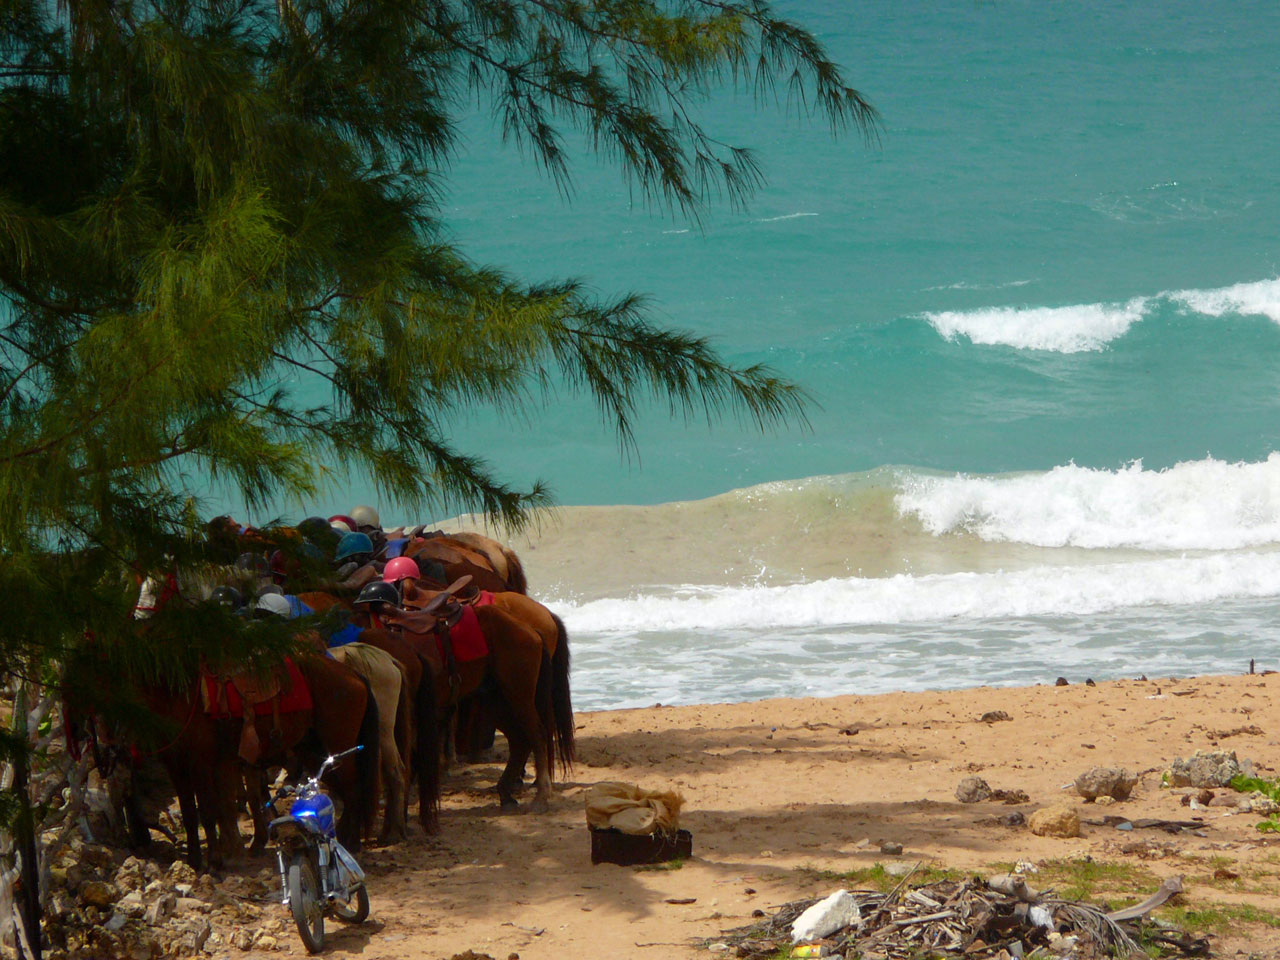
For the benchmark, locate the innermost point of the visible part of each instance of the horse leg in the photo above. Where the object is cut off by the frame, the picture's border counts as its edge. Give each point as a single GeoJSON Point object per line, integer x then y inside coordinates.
{"type": "Point", "coordinates": [190, 818]}
{"type": "Point", "coordinates": [512, 779]}
{"type": "Point", "coordinates": [518, 662]}
{"type": "Point", "coordinates": [255, 788]}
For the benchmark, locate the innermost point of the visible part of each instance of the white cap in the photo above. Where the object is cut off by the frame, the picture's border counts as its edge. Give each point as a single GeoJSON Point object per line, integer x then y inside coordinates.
{"type": "Point", "coordinates": [275, 603]}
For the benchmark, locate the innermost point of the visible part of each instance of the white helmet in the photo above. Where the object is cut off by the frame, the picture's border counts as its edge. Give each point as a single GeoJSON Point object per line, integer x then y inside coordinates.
{"type": "Point", "coordinates": [365, 516]}
{"type": "Point", "coordinates": [340, 527]}
{"type": "Point", "coordinates": [274, 603]}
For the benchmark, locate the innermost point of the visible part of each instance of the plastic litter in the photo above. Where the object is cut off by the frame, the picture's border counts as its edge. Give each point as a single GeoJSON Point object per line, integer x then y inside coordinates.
{"type": "Point", "coordinates": [827, 916]}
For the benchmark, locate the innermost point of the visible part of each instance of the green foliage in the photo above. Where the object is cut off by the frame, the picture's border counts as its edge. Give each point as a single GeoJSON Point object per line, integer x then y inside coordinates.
{"type": "Point", "coordinates": [1217, 917]}
{"type": "Point", "coordinates": [208, 209]}
{"type": "Point", "coordinates": [877, 877]}
{"type": "Point", "coordinates": [1269, 789]}
{"type": "Point", "coordinates": [1088, 879]}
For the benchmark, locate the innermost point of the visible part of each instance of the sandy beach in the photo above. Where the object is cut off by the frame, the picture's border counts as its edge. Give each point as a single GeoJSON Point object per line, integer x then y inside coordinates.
{"type": "Point", "coordinates": [781, 795]}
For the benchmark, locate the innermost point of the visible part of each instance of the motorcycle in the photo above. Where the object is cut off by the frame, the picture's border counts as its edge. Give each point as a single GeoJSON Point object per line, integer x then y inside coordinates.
{"type": "Point", "coordinates": [317, 874]}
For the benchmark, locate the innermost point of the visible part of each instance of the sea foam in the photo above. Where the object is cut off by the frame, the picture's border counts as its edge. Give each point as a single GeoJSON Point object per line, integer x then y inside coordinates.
{"type": "Point", "coordinates": [1033, 592]}
{"type": "Point", "coordinates": [1196, 505]}
{"type": "Point", "coordinates": [1074, 329]}
{"type": "Point", "coordinates": [1260, 298]}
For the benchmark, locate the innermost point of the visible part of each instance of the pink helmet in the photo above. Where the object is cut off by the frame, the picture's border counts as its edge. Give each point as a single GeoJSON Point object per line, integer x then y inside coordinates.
{"type": "Point", "coordinates": [399, 568]}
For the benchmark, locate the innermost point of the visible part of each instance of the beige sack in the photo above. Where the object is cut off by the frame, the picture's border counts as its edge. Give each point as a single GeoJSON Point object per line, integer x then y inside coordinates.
{"type": "Point", "coordinates": [632, 809]}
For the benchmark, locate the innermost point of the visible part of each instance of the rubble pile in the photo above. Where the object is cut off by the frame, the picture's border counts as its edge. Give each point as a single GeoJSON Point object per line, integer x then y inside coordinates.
{"type": "Point", "coordinates": [993, 919]}
{"type": "Point", "coordinates": [103, 904]}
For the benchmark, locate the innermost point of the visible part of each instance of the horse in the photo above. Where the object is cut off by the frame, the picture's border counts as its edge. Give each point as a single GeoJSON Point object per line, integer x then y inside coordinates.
{"type": "Point", "coordinates": [390, 686]}
{"type": "Point", "coordinates": [343, 714]}
{"type": "Point", "coordinates": [490, 565]}
{"type": "Point", "coordinates": [474, 729]}
{"type": "Point", "coordinates": [528, 697]}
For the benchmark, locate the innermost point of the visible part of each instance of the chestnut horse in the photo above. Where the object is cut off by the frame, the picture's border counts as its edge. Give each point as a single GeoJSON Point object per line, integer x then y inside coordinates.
{"type": "Point", "coordinates": [525, 689]}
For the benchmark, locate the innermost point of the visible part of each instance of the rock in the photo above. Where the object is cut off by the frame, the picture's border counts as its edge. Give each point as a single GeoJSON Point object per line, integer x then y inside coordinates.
{"type": "Point", "coordinates": [973, 790]}
{"type": "Point", "coordinates": [180, 872]}
{"type": "Point", "coordinates": [1262, 805]}
{"type": "Point", "coordinates": [891, 848]}
{"type": "Point", "coordinates": [131, 875]}
{"type": "Point", "coordinates": [1105, 801]}
{"type": "Point", "coordinates": [1204, 768]}
{"type": "Point", "coordinates": [1105, 782]}
{"type": "Point", "coordinates": [98, 856]}
{"type": "Point", "coordinates": [242, 938]}
{"type": "Point", "coordinates": [1010, 796]}
{"type": "Point", "coordinates": [184, 889]}
{"type": "Point", "coordinates": [1014, 819]}
{"type": "Point", "coordinates": [194, 932]}
{"type": "Point", "coordinates": [185, 906]}
{"type": "Point", "coordinates": [1059, 820]}
{"type": "Point", "coordinates": [98, 893]}
{"type": "Point", "coordinates": [994, 716]}
{"type": "Point", "coordinates": [132, 904]}
{"type": "Point", "coordinates": [161, 908]}
{"type": "Point", "coordinates": [1062, 682]}
{"type": "Point", "coordinates": [267, 942]}
{"type": "Point", "coordinates": [117, 921]}
{"type": "Point", "coordinates": [898, 868]}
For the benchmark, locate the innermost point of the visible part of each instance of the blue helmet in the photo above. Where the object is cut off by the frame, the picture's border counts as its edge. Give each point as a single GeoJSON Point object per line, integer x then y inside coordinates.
{"type": "Point", "coordinates": [352, 544]}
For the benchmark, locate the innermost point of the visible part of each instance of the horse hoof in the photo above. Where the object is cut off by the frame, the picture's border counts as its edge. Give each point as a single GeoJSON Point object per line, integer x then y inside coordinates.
{"type": "Point", "coordinates": [539, 805]}
{"type": "Point", "coordinates": [509, 804]}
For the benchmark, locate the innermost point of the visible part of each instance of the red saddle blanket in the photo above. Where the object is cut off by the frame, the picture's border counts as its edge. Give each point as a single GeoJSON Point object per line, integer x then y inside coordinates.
{"type": "Point", "coordinates": [295, 696]}
{"type": "Point", "coordinates": [468, 642]}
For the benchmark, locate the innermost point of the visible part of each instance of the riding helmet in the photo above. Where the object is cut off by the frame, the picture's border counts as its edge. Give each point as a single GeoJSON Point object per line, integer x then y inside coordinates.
{"type": "Point", "coordinates": [273, 603]}
{"type": "Point", "coordinates": [353, 544]}
{"type": "Point", "coordinates": [399, 568]}
{"type": "Point", "coordinates": [365, 516]}
{"type": "Point", "coordinates": [228, 597]}
{"type": "Point", "coordinates": [378, 591]}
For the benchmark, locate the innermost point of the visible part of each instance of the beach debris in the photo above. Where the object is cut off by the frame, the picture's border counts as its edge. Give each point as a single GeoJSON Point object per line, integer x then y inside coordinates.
{"type": "Point", "coordinates": [1098, 782]}
{"type": "Point", "coordinates": [836, 912]}
{"type": "Point", "coordinates": [994, 716]}
{"type": "Point", "coordinates": [1058, 820]}
{"type": "Point", "coordinates": [1014, 819]}
{"type": "Point", "coordinates": [1204, 768]}
{"type": "Point", "coordinates": [891, 848]}
{"type": "Point", "coordinates": [1062, 682]}
{"type": "Point", "coordinates": [1148, 823]}
{"type": "Point", "coordinates": [975, 918]}
{"type": "Point", "coordinates": [973, 790]}
{"type": "Point", "coordinates": [1010, 796]}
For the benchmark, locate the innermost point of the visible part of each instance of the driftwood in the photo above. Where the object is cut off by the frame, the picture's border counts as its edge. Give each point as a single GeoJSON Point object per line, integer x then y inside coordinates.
{"type": "Point", "coordinates": [976, 919]}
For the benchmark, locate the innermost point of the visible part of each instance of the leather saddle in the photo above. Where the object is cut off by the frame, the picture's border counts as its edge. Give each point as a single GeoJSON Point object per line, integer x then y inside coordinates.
{"type": "Point", "coordinates": [253, 688]}
{"type": "Point", "coordinates": [441, 611]}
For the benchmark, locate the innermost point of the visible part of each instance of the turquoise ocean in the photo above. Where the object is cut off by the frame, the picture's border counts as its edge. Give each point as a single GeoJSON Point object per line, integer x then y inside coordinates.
{"type": "Point", "coordinates": [1040, 321]}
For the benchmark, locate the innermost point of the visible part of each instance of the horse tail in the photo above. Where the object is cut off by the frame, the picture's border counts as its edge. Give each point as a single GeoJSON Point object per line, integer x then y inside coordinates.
{"type": "Point", "coordinates": [516, 580]}
{"type": "Point", "coordinates": [426, 758]}
{"type": "Point", "coordinates": [404, 723]}
{"type": "Point", "coordinates": [367, 763]}
{"type": "Point", "coordinates": [561, 701]}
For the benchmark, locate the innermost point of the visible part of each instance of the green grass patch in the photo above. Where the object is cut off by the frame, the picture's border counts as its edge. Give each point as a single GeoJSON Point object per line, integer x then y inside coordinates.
{"type": "Point", "coordinates": [1217, 917]}
{"type": "Point", "coordinates": [1089, 879]}
{"type": "Point", "coordinates": [876, 877]}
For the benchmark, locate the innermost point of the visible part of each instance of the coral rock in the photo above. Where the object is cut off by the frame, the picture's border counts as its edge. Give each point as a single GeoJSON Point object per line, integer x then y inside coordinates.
{"type": "Point", "coordinates": [1060, 820]}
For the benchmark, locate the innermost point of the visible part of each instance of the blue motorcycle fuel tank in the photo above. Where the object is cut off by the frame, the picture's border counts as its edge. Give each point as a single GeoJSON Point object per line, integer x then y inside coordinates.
{"type": "Point", "coordinates": [318, 809]}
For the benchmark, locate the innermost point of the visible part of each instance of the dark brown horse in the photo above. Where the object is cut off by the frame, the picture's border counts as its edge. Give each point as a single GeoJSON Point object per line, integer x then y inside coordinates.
{"type": "Point", "coordinates": [524, 688]}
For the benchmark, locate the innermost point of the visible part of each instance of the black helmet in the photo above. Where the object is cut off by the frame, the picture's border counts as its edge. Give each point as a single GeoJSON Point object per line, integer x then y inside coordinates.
{"type": "Point", "coordinates": [255, 563]}
{"type": "Point", "coordinates": [379, 591]}
{"type": "Point", "coordinates": [228, 597]}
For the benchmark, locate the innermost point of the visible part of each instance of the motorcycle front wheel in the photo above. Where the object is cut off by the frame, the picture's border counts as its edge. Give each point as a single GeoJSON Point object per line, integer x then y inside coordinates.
{"type": "Point", "coordinates": [305, 900]}
{"type": "Point", "coordinates": [357, 914]}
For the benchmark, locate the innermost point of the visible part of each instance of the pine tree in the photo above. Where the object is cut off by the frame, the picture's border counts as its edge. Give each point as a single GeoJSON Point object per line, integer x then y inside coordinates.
{"type": "Point", "coordinates": [204, 205]}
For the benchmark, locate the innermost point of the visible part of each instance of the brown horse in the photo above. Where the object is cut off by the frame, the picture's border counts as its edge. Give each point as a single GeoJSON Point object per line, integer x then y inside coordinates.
{"type": "Point", "coordinates": [525, 689]}
{"type": "Point", "coordinates": [494, 568]}
{"type": "Point", "coordinates": [344, 714]}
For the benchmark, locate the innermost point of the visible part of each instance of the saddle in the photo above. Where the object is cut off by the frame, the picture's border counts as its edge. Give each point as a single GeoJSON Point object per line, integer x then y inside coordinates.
{"type": "Point", "coordinates": [453, 623]}
{"type": "Point", "coordinates": [250, 694]}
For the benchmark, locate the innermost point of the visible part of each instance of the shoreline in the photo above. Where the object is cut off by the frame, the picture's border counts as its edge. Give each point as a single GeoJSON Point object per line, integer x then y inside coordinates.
{"type": "Point", "coordinates": [789, 798]}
